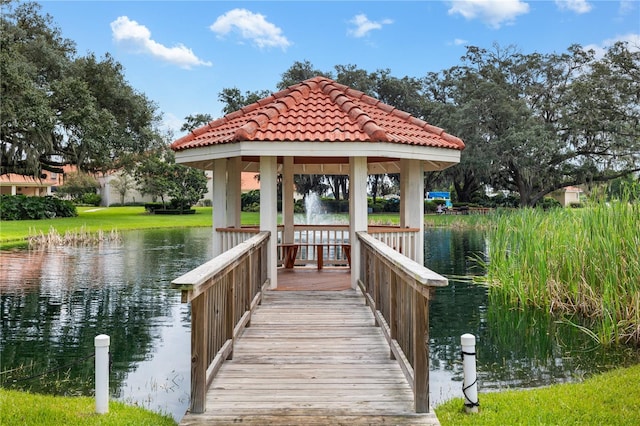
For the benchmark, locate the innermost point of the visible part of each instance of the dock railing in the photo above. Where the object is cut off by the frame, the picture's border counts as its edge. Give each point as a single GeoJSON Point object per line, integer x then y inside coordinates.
{"type": "Point", "coordinates": [398, 290]}
{"type": "Point", "coordinates": [223, 294]}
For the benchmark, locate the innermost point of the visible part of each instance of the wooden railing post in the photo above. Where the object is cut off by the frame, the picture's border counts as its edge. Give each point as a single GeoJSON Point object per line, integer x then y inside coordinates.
{"type": "Point", "coordinates": [199, 331]}
{"type": "Point", "coordinates": [420, 313]}
{"type": "Point", "coordinates": [393, 312]}
{"type": "Point", "coordinates": [230, 320]}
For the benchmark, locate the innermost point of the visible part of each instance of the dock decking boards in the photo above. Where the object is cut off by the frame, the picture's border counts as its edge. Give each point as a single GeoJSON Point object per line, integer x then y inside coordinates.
{"type": "Point", "coordinates": [311, 358]}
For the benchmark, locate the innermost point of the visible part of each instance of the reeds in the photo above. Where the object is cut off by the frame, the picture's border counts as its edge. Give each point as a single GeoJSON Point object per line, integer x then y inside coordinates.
{"type": "Point", "coordinates": [70, 238]}
{"type": "Point", "coordinates": [572, 261]}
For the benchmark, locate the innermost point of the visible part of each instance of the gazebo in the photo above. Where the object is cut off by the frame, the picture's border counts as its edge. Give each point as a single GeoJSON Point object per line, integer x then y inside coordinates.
{"type": "Point", "coordinates": [317, 127]}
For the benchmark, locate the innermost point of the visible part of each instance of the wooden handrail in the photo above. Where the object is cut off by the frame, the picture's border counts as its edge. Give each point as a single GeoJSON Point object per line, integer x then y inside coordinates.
{"type": "Point", "coordinates": [398, 290]}
{"type": "Point", "coordinates": [223, 293]}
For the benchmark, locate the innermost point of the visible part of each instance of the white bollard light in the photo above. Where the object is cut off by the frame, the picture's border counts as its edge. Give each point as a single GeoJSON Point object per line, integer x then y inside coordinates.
{"type": "Point", "coordinates": [470, 382]}
{"type": "Point", "coordinates": [101, 343]}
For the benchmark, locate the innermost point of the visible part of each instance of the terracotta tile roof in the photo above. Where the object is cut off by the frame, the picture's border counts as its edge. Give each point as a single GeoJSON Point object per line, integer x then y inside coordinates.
{"type": "Point", "coordinates": [319, 110]}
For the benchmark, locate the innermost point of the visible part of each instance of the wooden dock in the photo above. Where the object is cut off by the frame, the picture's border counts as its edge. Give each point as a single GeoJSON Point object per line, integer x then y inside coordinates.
{"type": "Point", "coordinates": [312, 356]}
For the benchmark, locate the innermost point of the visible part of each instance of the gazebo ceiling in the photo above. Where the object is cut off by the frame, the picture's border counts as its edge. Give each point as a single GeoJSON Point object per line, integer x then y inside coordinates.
{"type": "Point", "coordinates": [321, 124]}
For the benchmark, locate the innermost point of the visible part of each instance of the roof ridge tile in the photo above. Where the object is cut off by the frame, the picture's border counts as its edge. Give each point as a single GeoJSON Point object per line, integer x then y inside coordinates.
{"type": "Point", "coordinates": [385, 107]}
{"type": "Point", "coordinates": [235, 114]}
{"type": "Point", "coordinates": [265, 101]}
{"type": "Point", "coordinates": [251, 107]}
{"type": "Point", "coordinates": [401, 114]}
{"type": "Point", "coordinates": [354, 93]}
{"type": "Point", "coordinates": [370, 100]}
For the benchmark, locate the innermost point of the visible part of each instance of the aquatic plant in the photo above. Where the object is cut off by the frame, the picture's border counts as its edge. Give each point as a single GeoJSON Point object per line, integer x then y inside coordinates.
{"type": "Point", "coordinates": [71, 237]}
{"type": "Point", "coordinates": [571, 261]}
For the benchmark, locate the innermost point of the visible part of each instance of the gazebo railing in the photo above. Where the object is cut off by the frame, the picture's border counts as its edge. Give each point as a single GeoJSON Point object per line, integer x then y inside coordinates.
{"type": "Point", "coordinates": [402, 240]}
{"type": "Point", "coordinates": [398, 290]}
{"type": "Point", "coordinates": [332, 239]}
{"type": "Point", "coordinates": [231, 237]}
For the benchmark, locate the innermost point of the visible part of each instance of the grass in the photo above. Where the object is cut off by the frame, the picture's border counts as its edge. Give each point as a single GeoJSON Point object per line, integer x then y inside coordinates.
{"type": "Point", "coordinates": [26, 409]}
{"type": "Point", "coordinates": [578, 262]}
{"type": "Point", "coordinates": [612, 398]}
{"type": "Point", "coordinates": [95, 219]}
{"type": "Point", "coordinates": [92, 220]}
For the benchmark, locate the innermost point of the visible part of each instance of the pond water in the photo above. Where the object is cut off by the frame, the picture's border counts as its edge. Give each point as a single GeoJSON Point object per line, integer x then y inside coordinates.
{"type": "Point", "coordinates": [53, 302]}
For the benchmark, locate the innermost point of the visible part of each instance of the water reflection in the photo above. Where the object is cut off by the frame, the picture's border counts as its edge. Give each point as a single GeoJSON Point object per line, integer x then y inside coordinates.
{"type": "Point", "coordinates": [54, 302]}
{"type": "Point", "coordinates": [516, 349]}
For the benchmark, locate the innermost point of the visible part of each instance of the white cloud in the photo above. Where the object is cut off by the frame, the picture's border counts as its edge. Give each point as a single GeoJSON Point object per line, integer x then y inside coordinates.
{"type": "Point", "coordinates": [460, 42]}
{"type": "Point", "coordinates": [126, 31]}
{"type": "Point", "coordinates": [363, 25]}
{"type": "Point", "coordinates": [632, 40]}
{"type": "Point", "coordinates": [577, 6]}
{"type": "Point", "coordinates": [492, 12]}
{"type": "Point", "coordinates": [251, 26]}
{"type": "Point", "coordinates": [627, 6]}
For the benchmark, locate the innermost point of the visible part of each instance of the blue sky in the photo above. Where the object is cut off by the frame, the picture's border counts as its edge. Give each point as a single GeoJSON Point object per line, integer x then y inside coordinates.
{"type": "Point", "coordinates": [181, 54]}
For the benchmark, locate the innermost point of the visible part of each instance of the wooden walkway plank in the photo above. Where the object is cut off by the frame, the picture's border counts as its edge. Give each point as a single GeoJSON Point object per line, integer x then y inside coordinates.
{"type": "Point", "coordinates": [311, 358]}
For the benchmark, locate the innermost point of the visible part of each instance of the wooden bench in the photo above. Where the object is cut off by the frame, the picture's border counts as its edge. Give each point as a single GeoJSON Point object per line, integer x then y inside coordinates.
{"type": "Point", "coordinates": [290, 253]}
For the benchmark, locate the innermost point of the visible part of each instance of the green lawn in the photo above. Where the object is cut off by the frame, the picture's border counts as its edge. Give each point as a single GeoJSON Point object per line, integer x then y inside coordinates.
{"type": "Point", "coordinates": [26, 409]}
{"type": "Point", "coordinates": [94, 219]}
{"type": "Point", "coordinates": [611, 399]}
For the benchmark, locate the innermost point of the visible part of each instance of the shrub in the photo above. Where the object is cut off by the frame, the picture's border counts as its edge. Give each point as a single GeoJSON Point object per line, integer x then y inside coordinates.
{"type": "Point", "coordinates": [91, 199]}
{"type": "Point", "coordinates": [21, 207]}
{"type": "Point", "coordinates": [548, 203]}
{"type": "Point", "coordinates": [249, 199]}
{"type": "Point", "coordinates": [152, 207]}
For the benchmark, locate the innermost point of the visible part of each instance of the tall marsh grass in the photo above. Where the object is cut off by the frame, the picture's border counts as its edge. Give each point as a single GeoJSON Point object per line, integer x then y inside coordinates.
{"type": "Point", "coordinates": [583, 262]}
{"type": "Point", "coordinates": [70, 238]}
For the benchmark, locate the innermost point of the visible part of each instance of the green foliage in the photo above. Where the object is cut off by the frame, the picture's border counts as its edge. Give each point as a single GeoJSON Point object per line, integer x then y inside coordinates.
{"type": "Point", "coordinates": [195, 121]}
{"type": "Point", "coordinates": [234, 100]}
{"type": "Point", "coordinates": [91, 199]}
{"type": "Point", "coordinates": [501, 200]}
{"type": "Point", "coordinates": [548, 203]}
{"type": "Point", "coordinates": [383, 205]}
{"type": "Point", "coordinates": [29, 409]}
{"type": "Point", "coordinates": [534, 123]}
{"type": "Point", "coordinates": [606, 399]}
{"type": "Point", "coordinates": [21, 207]}
{"type": "Point", "coordinates": [59, 108]}
{"type": "Point", "coordinates": [123, 184]}
{"type": "Point", "coordinates": [627, 187]}
{"type": "Point", "coordinates": [250, 201]}
{"type": "Point", "coordinates": [152, 207]}
{"type": "Point", "coordinates": [158, 175]}
{"type": "Point", "coordinates": [188, 186]}
{"type": "Point", "coordinates": [77, 184]}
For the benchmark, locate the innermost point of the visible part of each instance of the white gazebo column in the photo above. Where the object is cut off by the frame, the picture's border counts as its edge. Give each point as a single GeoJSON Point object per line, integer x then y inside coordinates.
{"type": "Point", "coordinates": [287, 199]}
{"type": "Point", "coordinates": [234, 191]}
{"type": "Point", "coordinates": [412, 203]}
{"type": "Point", "coordinates": [357, 211]}
{"type": "Point", "coordinates": [219, 202]}
{"type": "Point", "coordinates": [269, 213]}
